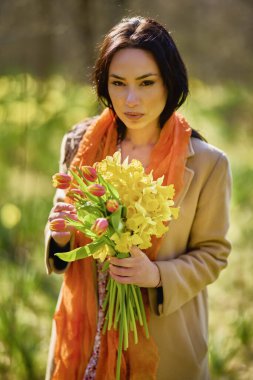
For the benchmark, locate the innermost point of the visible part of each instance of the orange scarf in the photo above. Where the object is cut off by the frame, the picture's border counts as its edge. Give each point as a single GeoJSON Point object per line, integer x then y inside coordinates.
{"type": "Point", "coordinates": [76, 317]}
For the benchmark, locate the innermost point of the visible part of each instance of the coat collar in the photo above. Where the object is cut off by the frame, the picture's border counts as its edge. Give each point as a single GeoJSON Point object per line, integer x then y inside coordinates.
{"type": "Point", "coordinates": [190, 152]}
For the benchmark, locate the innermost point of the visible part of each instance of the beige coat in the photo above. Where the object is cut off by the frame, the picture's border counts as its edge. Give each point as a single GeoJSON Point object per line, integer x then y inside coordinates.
{"type": "Point", "coordinates": [193, 252]}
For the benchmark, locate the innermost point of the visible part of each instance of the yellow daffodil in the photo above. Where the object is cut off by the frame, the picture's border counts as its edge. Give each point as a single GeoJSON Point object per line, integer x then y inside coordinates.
{"type": "Point", "coordinates": [149, 204]}
{"type": "Point", "coordinates": [104, 252]}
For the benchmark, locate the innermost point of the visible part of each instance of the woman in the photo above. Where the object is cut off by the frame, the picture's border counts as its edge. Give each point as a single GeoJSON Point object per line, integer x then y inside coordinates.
{"type": "Point", "coordinates": [141, 78]}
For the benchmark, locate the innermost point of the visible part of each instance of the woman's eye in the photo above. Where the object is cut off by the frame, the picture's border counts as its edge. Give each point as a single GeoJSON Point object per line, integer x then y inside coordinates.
{"type": "Point", "coordinates": [117, 83]}
{"type": "Point", "coordinates": [147, 83]}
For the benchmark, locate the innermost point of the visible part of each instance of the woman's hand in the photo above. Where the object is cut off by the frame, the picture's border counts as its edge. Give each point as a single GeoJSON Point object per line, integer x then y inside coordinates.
{"type": "Point", "coordinates": [59, 211]}
{"type": "Point", "coordinates": [137, 269]}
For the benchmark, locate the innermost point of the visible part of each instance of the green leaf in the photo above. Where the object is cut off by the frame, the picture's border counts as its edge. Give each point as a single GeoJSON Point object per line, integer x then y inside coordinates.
{"type": "Point", "coordinates": [75, 254]}
{"type": "Point", "coordinates": [80, 182]}
{"type": "Point", "coordinates": [108, 241]}
{"type": "Point", "coordinates": [94, 246]}
{"type": "Point", "coordinates": [75, 223]}
{"type": "Point", "coordinates": [89, 219]}
{"type": "Point", "coordinates": [89, 233]}
{"type": "Point", "coordinates": [115, 219]}
{"type": "Point", "coordinates": [110, 187]}
{"type": "Point", "coordinates": [83, 227]}
{"type": "Point", "coordinates": [89, 208]}
{"type": "Point", "coordinates": [81, 252]}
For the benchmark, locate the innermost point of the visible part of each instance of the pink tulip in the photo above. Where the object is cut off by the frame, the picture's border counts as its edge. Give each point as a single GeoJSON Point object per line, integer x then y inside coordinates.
{"type": "Point", "coordinates": [58, 225]}
{"type": "Point", "coordinates": [89, 173]}
{"type": "Point", "coordinates": [61, 180]}
{"type": "Point", "coordinates": [112, 205]}
{"type": "Point", "coordinates": [100, 226]}
{"type": "Point", "coordinates": [96, 189]}
{"type": "Point", "coordinates": [75, 193]}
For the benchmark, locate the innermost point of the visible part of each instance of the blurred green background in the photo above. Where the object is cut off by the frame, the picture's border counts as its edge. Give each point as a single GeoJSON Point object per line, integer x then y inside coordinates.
{"type": "Point", "coordinates": [47, 50]}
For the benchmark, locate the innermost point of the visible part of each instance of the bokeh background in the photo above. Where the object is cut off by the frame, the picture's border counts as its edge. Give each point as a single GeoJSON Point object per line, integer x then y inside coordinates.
{"type": "Point", "coordinates": [47, 49]}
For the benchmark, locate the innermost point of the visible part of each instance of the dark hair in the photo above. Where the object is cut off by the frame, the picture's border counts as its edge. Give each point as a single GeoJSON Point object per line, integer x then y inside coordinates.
{"type": "Point", "coordinates": [147, 34]}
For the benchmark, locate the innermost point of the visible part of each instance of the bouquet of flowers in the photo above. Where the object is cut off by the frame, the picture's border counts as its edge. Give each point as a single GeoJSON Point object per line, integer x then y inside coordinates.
{"type": "Point", "coordinates": [117, 206]}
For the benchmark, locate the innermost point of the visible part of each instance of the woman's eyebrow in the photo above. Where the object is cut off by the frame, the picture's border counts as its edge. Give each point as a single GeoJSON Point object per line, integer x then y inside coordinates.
{"type": "Point", "coordinates": [147, 75]}
{"type": "Point", "coordinates": [138, 78]}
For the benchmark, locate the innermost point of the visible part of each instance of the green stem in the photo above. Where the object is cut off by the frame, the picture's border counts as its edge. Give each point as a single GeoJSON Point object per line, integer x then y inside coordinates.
{"type": "Point", "coordinates": [133, 306]}
{"type": "Point", "coordinates": [105, 303]}
{"type": "Point", "coordinates": [124, 317]}
{"type": "Point", "coordinates": [112, 291]}
{"type": "Point", "coordinates": [132, 322]}
{"type": "Point", "coordinates": [108, 284]}
{"type": "Point", "coordinates": [102, 205]}
{"type": "Point", "coordinates": [117, 308]}
{"type": "Point", "coordinates": [121, 331]}
{"type": "Point", "coordinates": [143, 313]}
{"type": "Point", "coordinates": [137, 303]}
{"type": "Point", "coordinates": [127, 304]}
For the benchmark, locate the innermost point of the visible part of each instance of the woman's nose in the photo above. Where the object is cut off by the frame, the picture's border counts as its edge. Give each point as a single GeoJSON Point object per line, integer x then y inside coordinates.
{"type": "Point", "coordinates": [132, 98]}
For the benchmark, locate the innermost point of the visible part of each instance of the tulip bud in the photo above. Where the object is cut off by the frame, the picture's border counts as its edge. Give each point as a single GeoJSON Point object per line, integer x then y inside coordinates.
{"type": "Point", "coordinates": [96, 189]}
{"type": "Point", "coordinates": [58, 225]}
{"type": "Point", "coordinates": [75, 193]}
{"type": "Point", "coordinates": [89, 173]}
{"type": "Point", "coordinates": [61, 180]}
{"type": "Point", "coordinates": [112, 205]}
{"type": "Point", "coordinates": [100, 226]}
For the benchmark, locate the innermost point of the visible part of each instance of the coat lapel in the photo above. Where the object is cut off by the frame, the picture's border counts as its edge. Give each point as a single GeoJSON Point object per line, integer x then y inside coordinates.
{"type": "Point", "coordinates": [188, 175]}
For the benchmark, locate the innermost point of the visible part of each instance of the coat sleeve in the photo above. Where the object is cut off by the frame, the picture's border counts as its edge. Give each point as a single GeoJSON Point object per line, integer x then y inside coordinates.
{"type": "Point", "coordinates": [53, 263]}
{"type": "Point", "coordinates": [208, 248]}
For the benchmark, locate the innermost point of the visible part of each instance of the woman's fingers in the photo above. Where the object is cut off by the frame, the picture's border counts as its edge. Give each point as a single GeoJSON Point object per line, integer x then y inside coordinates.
{"type": "Point", "coordinates": [128, 262]}
{"type": "Point", "coordinates": [60, 206]}
{"type": "Point", "coordinates": [137, 256]}
{"type": "Point", "coordinates": [61, 238]}
{"type": "Point", "coordinates": [122, 271]}
{"type": "Point", "coordinates": [61, 210]}
{"type": "Point", "coordinates": [136, 252]}
{"type": "Point", "coordinates": [58, 214]}
{"type": "Point", "coordinates": [61, 214]}
{"type": "Point", "coordinates": [137, 269]}
{"type": "Point", "coordinates": [123, 280]}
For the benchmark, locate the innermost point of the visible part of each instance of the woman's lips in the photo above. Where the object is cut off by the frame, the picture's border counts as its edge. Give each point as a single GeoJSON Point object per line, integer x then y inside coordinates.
{"type": "Point", "coordinates": [133, 115]}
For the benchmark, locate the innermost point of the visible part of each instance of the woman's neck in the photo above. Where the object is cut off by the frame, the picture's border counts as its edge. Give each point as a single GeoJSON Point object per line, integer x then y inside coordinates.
{"type": "Point", "coordinates": [142, 137]}
{"type": "Point", "coordinates": [138, 144]}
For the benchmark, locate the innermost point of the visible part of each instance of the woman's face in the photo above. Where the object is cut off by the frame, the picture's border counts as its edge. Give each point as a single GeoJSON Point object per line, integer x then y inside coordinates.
{"type": "Point", "coordinates": [136, 88]}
